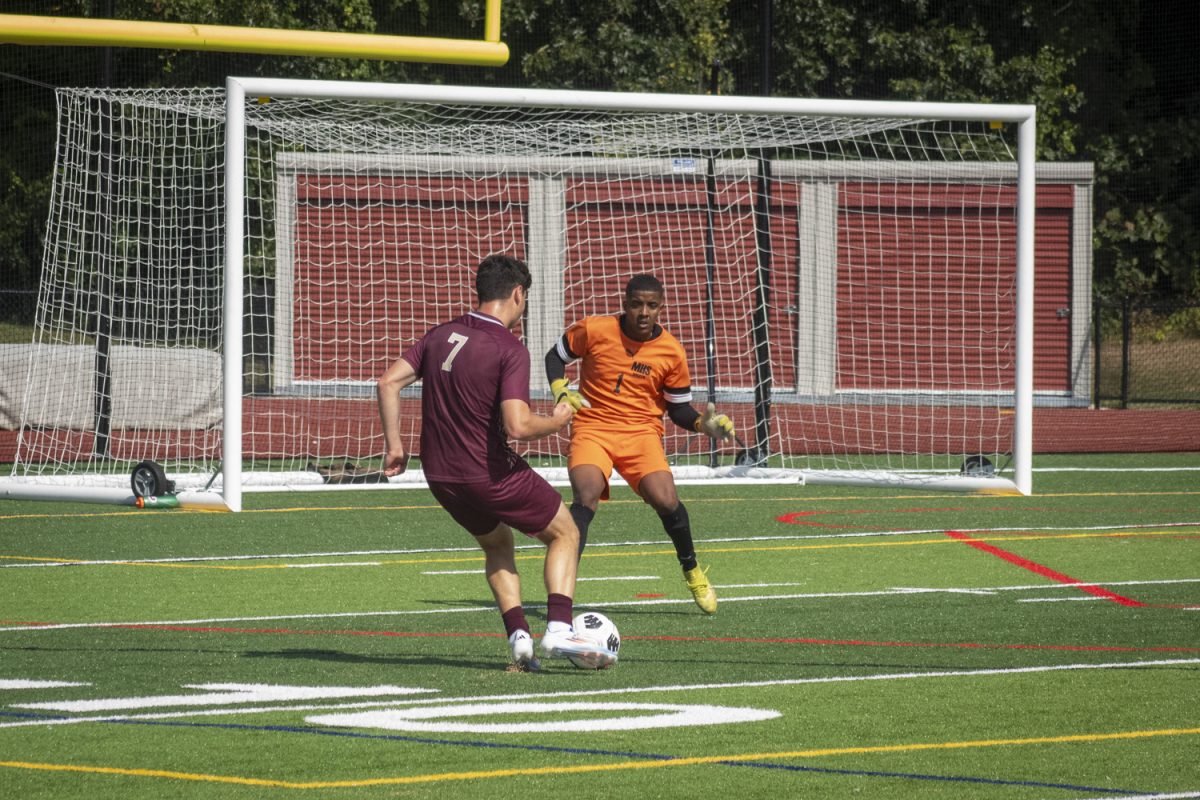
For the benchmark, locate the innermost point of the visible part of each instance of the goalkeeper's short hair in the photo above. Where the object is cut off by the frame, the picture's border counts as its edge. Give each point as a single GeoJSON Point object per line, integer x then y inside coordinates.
{"type": "Point", "coordinates": [644, 283]}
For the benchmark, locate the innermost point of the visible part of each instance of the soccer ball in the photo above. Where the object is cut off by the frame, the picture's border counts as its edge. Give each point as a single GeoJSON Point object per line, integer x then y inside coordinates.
{"type": "Point", "coordinates": [598, 628]}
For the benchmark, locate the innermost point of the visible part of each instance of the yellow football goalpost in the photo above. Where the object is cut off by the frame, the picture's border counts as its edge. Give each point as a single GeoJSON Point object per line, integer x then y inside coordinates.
{"type": "Point", "coordinates": [82, 32]}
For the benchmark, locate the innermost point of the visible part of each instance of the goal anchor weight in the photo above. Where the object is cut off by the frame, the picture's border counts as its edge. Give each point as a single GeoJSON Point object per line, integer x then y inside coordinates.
{"type": "Point", "coordinates": [978, 467]}
{"type": "Point", "coordinates": [149, 482]}
{"type": "Point", "coordinates": [155, 501]}
{"type": "Point", "coordinates": [749, 456]}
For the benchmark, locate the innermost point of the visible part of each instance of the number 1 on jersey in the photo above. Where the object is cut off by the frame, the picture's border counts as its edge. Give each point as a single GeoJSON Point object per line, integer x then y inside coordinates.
{"type": "Point", "coordinates": [458, 340]}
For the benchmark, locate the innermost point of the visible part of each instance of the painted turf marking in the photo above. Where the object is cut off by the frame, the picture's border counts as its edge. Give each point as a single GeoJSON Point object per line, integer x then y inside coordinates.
{"type": "Point", "coordinates": [632, 754]}
{"type": "Point", "coordinates": [593, 693]}
{"type": "Point", "coordinates": [52, 626]}
{"type": "Point", "coordinates": [51, 561]}
{"type": "Point", "coordinates": [220, 694]}
{"type": "Point", "coordinates": [1044, 571]}
{"type": "Point", "coordinates": [1060, 599]}
{"type": "Point", "coordinates": [577, 580]}
{"type": "Point", "coordinates": [419, 719]}
{"type": "Point", "coordinates": [621, 766]}
{"type": "Point", "coordinates": [15, 683]}
{"type": "Point", "coordinates": [1169, 796]}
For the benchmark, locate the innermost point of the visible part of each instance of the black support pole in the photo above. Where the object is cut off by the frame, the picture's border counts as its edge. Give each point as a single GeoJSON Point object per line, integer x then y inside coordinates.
{"type": "Point", "coordinates": [763, 378]}
{"type": "Point", "coordinates": [710, 268]}
{"type": "Point", "coordinates": [1126, 335]}
{"type": "Point", "coordinates": [104, 265]}
{"type": "Point", "coordinates": [1097, 309]}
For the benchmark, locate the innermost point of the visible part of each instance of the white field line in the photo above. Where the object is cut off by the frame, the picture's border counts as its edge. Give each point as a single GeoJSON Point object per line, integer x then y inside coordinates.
{"type": "Point", "coordinates": [632, 543]}
{"type": "Point", "coordinates": [1116, 469]}
{"type": "Point", "coordinates": [1062, 599]}
{"type": "Point", "coordinates": [276, 617]}
{"type": "Point", "coordinates": [14, 683]}
{"type": "Point", "coordinates": [903, 590]}
{"type": "Point", "coordinates": [593, 692]}
{"type": "Point", "coordinates": [577, 580]}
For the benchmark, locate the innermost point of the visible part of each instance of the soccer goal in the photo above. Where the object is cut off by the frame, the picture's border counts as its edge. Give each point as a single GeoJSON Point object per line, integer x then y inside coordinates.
{"type": "Point", "coordinates": [228, 271]}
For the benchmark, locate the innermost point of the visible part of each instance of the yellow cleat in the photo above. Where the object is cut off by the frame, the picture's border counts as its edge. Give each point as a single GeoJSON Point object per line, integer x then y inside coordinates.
{"type": "Point", "coordinates": [701, 589]}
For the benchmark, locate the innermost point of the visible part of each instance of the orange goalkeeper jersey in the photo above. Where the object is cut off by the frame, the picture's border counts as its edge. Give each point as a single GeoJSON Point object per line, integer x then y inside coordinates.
{"type": "Point", "coordinates": [628, 382]}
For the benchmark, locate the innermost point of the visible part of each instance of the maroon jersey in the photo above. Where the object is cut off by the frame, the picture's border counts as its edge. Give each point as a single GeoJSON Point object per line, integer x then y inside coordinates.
{"type": "Point", "coordinates": [467, 367]}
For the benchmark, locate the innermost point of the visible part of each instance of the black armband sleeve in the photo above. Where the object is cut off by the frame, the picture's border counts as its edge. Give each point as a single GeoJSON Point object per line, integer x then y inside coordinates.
{"type": "Point", "coordinates": [683, 415]}
{"type": "Point", "coordinates": [555, 367]}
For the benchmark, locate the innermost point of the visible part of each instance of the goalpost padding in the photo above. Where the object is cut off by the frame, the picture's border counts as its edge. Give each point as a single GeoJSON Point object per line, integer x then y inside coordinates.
{"type": "Point", "coordinates": [305, 233]}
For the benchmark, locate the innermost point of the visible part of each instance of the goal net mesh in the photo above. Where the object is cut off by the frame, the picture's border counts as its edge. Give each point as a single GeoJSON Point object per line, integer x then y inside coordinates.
{"type": "Point", "coordinates": [844, 287]}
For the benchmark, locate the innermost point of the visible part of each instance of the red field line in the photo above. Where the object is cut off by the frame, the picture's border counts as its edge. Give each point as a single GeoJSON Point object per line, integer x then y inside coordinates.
{"type": "Point", "coordinates": [1044, 571]}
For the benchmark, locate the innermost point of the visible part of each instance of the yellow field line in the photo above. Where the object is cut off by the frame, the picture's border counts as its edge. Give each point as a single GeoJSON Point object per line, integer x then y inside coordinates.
{"type": "Point", "coordinates": [1082, 738]}
{"type": "Point", "coordinates": [635, 501]}
{"type": "Point", "coordinates": [147, 773]}
{"type": "Point", "coordinates": [640, 552]}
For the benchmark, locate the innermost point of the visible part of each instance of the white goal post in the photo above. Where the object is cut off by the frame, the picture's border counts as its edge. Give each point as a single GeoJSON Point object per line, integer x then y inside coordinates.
{"type": "Point", "coordinates": [852, 280]}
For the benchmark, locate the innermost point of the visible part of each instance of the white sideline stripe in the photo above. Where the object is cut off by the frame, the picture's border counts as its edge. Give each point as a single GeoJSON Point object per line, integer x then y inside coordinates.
{"type": "Point", "coordinates": [1116, 469]}
{"type": "Point", "coordinates": [611, 577]}
{"type": "Point", "coordinates": [925, 590]}
{"type": "Point", "coordinates": [16, 683]}
{"type": "Point", "coordinates": [1061, 599]}
{"type": "Point", "coordinates": [335, 564]}
{"type": "Point", "coordinates": [338, 615]}
{"type": "Point", "coordinates": [249, 557]}
{"type": "Point", "coordinates": [622, 578]}
{"type": "Point", "coordinates": [604, 604]}
{"type": "Point", "coordinates": [1096, 583]}
{"type": "Point", "coordinates": [225, 694]}
{"type": "Point", "coordinates": [756, 585]}
{"type": "Point", "coordinates": [591, 692]}
{"type": "Point", "coordinates": [635, 543]}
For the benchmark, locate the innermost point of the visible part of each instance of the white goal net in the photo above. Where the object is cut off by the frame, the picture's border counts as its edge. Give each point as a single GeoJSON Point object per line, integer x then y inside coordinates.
{"type": "Point", "coordinates": [847, 278]}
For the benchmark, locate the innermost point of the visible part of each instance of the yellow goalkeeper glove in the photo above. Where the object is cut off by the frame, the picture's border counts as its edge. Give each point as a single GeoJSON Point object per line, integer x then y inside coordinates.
{"type": "Point", "coordinates": [718, 426]}
{"type": "Point", "coordinates": [563, 393]}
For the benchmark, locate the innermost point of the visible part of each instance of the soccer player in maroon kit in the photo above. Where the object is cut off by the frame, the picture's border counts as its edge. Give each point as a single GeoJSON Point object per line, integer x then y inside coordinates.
{"type": "Point", "coordinates": [474, 375]}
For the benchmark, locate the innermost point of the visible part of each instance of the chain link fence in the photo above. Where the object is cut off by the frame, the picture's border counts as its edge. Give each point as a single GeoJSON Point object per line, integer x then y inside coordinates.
{"type": "Point", "coordinates": [17, 310]}
{"type": "Point", "coordinates": [1147, 353]}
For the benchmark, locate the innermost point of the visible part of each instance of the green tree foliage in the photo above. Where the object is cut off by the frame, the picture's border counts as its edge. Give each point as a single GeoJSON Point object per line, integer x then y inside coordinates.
{"type": "Point", "coordinates": [1113, 82]}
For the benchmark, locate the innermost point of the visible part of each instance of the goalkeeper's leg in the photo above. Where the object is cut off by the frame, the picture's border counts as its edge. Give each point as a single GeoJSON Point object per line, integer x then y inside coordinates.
{"type": "Point", "coordinates": [658, 489]}
{"type": "Point", "coordinates": [583, 518]}
{"type": "Point", "coordinates": [588, 485]}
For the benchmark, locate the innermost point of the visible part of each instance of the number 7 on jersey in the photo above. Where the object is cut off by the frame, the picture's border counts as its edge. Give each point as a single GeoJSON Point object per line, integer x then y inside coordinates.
{"type": "Point", "coordinates": [458, 340]}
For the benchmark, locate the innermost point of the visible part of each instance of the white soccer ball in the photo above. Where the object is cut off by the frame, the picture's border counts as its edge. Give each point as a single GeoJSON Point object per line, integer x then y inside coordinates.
{"type": "Point", "coordinates": [598, 628]}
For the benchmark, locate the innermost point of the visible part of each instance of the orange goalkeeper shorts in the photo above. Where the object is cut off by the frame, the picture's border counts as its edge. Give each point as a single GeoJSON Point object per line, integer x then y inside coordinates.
{"type": "Point", "coordinates": [633, 455]}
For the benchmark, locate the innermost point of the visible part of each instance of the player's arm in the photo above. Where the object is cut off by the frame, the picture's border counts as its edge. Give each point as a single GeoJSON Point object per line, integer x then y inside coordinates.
{"type": "Point", "coordinates": [557, 358]}
{"type": "Point", "coordinates": [710, 423]}
{"type": "Point", "coordinates": [523, 425]}
{"type": "Point", "coordinates": [397, 376]}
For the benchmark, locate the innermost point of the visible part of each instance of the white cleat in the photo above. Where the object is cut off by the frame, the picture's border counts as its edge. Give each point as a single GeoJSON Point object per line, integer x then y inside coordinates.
{"type": "Point", "coordinates": [523, 659]}
{"type": "Point", "coordinates": [583, 653]}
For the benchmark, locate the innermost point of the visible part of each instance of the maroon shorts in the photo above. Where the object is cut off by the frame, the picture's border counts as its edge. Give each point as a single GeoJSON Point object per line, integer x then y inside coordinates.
{"type": "Point", "coordinates": [524, 500]}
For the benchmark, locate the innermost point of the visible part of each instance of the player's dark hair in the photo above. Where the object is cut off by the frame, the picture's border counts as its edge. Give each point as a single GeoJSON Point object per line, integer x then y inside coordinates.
{"type": "Point", "coordinates": [498, 275]}
{"type": "Point", "coordinates": [643, 283]}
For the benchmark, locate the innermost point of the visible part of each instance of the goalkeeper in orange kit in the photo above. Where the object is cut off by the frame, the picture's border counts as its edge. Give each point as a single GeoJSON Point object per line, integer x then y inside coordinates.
{"type": "Point", "coordinates": [632, 372]}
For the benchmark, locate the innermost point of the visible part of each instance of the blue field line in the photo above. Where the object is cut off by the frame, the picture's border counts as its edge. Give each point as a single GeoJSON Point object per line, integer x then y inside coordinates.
{"type": "Point", "coordinates": [953, 778]}
{"type": "Point", "coordinates": [621, 754]}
